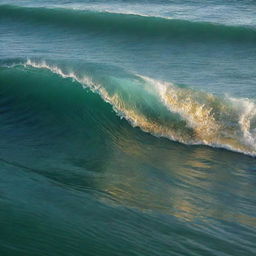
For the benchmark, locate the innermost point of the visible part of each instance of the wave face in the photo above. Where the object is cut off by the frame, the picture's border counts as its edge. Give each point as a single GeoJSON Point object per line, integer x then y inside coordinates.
{"type": "Point", "coordinates": [166, 110]}
{"type": "Point", "coordinates": [130, 24]}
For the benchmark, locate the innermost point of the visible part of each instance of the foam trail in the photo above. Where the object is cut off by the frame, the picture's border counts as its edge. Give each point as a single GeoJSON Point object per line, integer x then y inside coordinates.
{"type": "Point", "coordinates": [209, 120]}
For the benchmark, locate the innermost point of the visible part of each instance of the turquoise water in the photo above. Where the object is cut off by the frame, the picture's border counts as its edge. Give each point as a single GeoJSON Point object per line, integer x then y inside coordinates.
{"type": "Point", "coordinates": [127, 128]}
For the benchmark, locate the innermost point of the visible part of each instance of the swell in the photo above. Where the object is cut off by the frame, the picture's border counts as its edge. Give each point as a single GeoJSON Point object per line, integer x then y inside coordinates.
{"type": "Point", "coordinates": [129, 24]}
{"type": "Point", "coordinates": [156, 107]}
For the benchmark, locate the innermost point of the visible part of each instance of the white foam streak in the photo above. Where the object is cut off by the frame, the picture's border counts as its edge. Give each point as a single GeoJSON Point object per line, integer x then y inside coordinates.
{"type": "Point", "coordinates": [247, 110]}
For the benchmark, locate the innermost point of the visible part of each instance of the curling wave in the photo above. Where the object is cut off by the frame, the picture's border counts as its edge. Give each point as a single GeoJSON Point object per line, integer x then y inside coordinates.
{"type": "Point", "coordinates": [167, 110]}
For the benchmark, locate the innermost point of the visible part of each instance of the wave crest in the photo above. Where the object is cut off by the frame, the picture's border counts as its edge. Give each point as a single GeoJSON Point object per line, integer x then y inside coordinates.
{"type": "Point", "coordinates": [166, 110]}
{"type": "Point", "coordinates": [130, 24]}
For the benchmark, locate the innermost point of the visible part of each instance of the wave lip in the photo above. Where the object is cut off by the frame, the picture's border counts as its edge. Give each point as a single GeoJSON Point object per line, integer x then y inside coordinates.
{"type": "Point", "coordinates": [131, 24]}
{"type": "Point", "coordinates": [167, 110]}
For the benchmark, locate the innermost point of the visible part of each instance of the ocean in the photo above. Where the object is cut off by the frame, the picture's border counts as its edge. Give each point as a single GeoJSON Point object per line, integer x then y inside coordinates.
{"type": "Point", "coordinates": [128, 128]}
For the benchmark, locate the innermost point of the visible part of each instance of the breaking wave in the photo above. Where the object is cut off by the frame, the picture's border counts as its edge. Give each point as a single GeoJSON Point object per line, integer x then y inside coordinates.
{"type": "Point", "coordinates": [164, 109]}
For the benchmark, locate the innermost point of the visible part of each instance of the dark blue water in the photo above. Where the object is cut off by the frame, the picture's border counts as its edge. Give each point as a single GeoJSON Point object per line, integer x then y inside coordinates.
{"type": "Point", "coordinates": [127, 128]}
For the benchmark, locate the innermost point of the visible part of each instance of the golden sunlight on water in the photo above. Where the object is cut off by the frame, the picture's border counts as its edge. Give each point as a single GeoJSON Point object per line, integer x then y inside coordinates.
{"type": "Point", "coordinates": [189, 190]}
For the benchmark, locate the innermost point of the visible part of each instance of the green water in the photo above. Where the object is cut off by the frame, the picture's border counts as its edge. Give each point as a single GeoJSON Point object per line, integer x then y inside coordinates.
{"type": "Point", "coordinates": [127, 128]}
